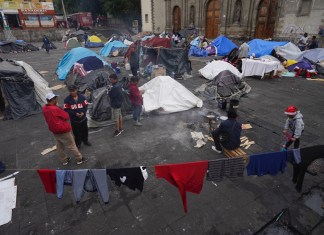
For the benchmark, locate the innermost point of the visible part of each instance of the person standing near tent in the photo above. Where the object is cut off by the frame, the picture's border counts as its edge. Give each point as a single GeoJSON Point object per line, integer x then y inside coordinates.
{"type": "Point", "coordinates": [116, 101]}
{"type": "Point", "coordinates": [136, 99]}
{"type": "Point", "coordinates": [313, 43]}
{"type": "Point", "coordinates": [58, 123]}
{"type": "Point", "coordinates": [134, 60]}
{"type": "Point", "coordinates": [303, 42]}
{"type": "Point", "coordinates": [294, 127]}
{"type": "Point", "coordinates": [243, 51]}
{"type": "Point", "coordinates": [228, 133]}
{"type": "Point", "coordinates": [46, 43]}
{"type": "Point", "coordinates": [76, 106]}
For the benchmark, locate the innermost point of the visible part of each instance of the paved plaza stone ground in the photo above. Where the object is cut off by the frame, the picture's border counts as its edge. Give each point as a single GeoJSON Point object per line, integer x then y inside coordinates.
{"type": "Point", "coordinates": [238, 206]}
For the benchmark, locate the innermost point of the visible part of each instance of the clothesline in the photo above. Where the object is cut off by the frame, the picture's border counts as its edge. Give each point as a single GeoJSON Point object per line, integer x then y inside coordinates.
{"type": "Point", "coordinates": [147, 166]}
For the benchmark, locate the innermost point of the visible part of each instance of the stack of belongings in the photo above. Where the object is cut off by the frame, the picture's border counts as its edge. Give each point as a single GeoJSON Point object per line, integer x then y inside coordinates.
{"type": "Point", "coordinates": [309, 63]}
{"type": "Point", "coordinates": [201, 47]}
{"type": "Point", "coordinates": [225, 82]}
{"type": "Point", "coordinates": [94, 41]}
{"type": "Point", "coordinates": [15, 47]}
{"type": "Point", "coordinates": [23, 89]}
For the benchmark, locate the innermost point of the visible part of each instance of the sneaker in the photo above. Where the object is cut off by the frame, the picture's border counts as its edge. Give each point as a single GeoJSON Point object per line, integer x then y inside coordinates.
{"type": "Point", "coordinates": [67, 161]}
{"type": "Point", "coordinates": [87, 143]}
{"type": "Point", "coordinates": [83, 160]}
{"type": "Point", "coordinates": [117, 133]}
{"type": "Point", "coordinates": [137, 123]}
{"type": "Point", "coordinates": [216, 150]}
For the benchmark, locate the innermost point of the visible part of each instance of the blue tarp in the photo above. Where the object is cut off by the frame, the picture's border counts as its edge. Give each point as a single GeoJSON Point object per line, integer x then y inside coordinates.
{"type": "Point", "coordinates": [262, 47]}
{"type": "Point", "coordinates": [71, 57]}
{"type": "Point", "coordinates": [196, 51]}
{"type": "Point", "coordinates": [105, 51]}
{"type": "Point", "coordinates": [224, 45]}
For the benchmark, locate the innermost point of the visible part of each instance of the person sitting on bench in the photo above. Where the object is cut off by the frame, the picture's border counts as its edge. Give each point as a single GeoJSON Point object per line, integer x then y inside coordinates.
{"type": "Point", "coordinates": [228, 134]}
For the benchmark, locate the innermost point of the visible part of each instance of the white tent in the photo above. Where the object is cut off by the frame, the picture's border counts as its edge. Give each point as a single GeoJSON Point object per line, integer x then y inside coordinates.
{"type": "Point", "coordinates": [41, 85]}
{"type": "Point", "coordinates": [212, 69]}
{"type": "Point", "coordinates": [163, 92]}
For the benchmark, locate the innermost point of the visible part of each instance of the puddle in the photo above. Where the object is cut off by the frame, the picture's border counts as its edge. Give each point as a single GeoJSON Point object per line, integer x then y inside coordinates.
{"type": "Point", "coordinates": [314, 200]}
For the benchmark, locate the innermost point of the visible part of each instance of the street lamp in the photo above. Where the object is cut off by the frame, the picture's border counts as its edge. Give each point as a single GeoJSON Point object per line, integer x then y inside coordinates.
{"type": "Point", "coordinates": [64, 12]}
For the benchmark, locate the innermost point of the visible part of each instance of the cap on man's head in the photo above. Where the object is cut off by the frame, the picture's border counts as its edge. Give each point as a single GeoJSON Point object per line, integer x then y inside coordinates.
{"type": "Point", "coordinates": [50, 96]}
{"type": "Point", "coordinates": [72, 87]}
{"type": "Point", "coordinates": [231, 114]}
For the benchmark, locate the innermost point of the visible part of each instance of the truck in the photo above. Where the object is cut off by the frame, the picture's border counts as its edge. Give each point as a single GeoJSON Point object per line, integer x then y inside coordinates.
{"type": "Point", "coordinates": [80, 20]}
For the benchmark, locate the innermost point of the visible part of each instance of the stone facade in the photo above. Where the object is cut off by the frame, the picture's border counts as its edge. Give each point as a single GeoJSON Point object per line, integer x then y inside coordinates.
{"type": "Point", "coordinates": [238, 18]}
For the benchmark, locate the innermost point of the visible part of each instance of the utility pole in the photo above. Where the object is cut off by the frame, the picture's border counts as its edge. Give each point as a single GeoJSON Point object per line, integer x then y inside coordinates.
{"type": "Point", "coordinates": [7, 31]}
{"type": "Point", "coordinates": [65, 17]}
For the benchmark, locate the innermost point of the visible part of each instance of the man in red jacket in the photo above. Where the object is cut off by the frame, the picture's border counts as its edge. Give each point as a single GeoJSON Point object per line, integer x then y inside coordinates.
{"type": "Point", "coordinates": [58, 123]}
{"type": "Point", "coordinates": [136, 99]}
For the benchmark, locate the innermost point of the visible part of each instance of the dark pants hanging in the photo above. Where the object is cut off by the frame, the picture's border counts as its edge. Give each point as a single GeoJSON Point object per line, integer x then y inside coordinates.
{"type": "Point", "coordinates": [296, 143]}
{"type": "Point", "coordinates": [80, 132]}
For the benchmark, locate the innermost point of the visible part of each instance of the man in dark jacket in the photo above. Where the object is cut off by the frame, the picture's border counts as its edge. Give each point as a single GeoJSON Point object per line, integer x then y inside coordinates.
{"type": "Point", "coordinates": [134, 60]}
{"type": "Point", "coordinates": [228, 133]}
{"type": "Point", "coordinates": [58, 123]}
{"type": "Point", "coordinates": [46, 43]}
{"type": "Point", "coordinates": [136, 99]}
{"type": "Point", "coordinates": [116, 101]}
{"type": "Point", "coordinates": [76, 106]}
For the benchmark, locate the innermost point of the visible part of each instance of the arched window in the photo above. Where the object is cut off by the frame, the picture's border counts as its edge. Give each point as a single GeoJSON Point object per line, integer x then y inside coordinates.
{"type": "Point", "coordinates": [237, 12]}
{"type": "Point", "coordinates": [192, 16]}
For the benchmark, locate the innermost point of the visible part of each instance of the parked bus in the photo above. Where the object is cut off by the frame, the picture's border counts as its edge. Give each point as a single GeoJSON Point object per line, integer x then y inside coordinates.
{"type": "Point", "coordinates": [81, 20]}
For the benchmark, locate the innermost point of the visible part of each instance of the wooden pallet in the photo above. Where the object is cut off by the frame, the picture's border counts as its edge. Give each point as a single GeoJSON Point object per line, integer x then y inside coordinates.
{"type": "Point", "coordinates": [235, 153]}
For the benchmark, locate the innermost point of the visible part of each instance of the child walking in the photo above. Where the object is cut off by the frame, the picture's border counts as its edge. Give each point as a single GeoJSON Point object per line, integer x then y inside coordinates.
{"type": "Point", "coordinates": [294, 127]}
{"type": "Point", "coordinates": [136, 99]}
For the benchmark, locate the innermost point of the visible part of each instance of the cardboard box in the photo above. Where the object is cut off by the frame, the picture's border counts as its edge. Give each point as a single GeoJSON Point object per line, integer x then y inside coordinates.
{"type": "Point", "coordinates": [158, 71]}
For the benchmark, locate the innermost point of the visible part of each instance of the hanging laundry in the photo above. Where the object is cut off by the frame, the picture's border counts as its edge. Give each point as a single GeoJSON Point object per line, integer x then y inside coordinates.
{"type": "Point", "coordinates": [48, 178]}
{"type": "Point", "coordinates": [229, 167]}
{"type": "Point", "coordinates": [293, 156]}
{"type": "Point", "coordinates": [267, 163]}
{"type": "Point", "coordinates": [308, 155]}
{"type": "Point", "coordinates": [185, 176]}
{"type": "Point", "coordinates": [91, 181]}
{"type": "Point", "coordinates": [63, 177]}
{"type": "Point", "coordinates": [133, 177]}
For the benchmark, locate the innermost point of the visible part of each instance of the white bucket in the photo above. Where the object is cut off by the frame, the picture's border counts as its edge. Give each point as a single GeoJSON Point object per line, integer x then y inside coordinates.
{"type": "Point", "coordinates": [127, 66]}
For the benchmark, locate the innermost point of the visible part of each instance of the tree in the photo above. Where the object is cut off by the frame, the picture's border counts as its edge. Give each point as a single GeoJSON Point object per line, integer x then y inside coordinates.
{"type": "Point", "coordinates": [128, 10]}
{"type": "Point", "coordinates": [73, 6]}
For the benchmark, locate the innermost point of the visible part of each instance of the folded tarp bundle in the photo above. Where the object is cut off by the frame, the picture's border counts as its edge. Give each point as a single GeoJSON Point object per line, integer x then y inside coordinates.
{"type": "Point", "coordinates": [163, 92]}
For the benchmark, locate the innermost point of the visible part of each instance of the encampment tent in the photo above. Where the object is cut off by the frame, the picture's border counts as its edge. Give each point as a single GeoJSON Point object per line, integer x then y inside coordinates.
{"type": "Point", "coordinates": [223, 45]}
{"type": "Point", "coordinates": [165, 94]}
{"type": "Point", "coordinates": [260, 47]}
{"type": "Point", "coordinates": [211, 70]}
{"type": "Point", "coordinates": [111, 47]}
{"type": "Point", "coordinates": [225, 85]}
{"type": "Point", "coordinates": [174, 59]}
{"type": "Point", "coordinates": [71, 57]}
{"type": "Point", "coordinates": [18, 81]}
{"type": "Point", "coordinates": [94, 41]}
{"type": "Point", "coordinates": [72, 43]}
{"type": "Point", "coordinates": [158, 42]}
